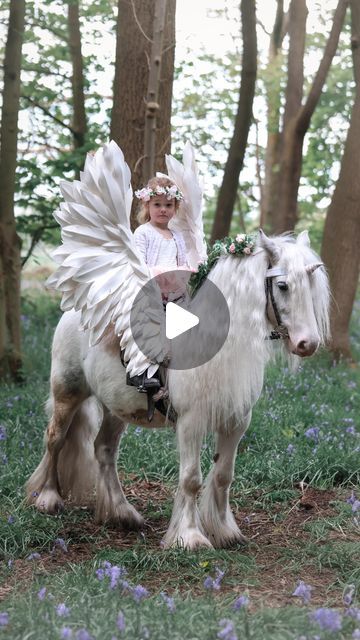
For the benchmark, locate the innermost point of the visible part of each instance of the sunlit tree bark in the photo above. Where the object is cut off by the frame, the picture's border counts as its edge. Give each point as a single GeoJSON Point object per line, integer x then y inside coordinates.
{"type": "Point", "coordinates": [10, 262]}
{"type": "Point", "coordinates": [230, 183]}
{"type": "Point", "coordinates": [341, 240]}
{"type": "Point", "coordinates": [297, 114]}
{"type": "Point", "coordinates": [133, 53]}
{"type": "Point", "coordinates": [77, 80]}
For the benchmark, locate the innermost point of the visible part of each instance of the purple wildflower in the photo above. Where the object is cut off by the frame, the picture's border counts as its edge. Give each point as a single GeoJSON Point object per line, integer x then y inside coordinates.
{"type": "Point", "coordinates": [348, 594]}
{"type": "Point", "coordinates": [290, 449]}
{"type": "Point", "coordinates": [61, 544]}
{"type": "Point", "coordinates": [100, 574]}
{"type": "Point", "coordinates": [120, 622]}
{"type": "Point", "coordinates": [355, 506]}
{"type": "Point", "coordinates": [168, 601]}
{"type": "Point", "coordinates": [34, 556]}
{"type": "Point", "coordinates": [354, 613]}
{"type": "Point", "coordinates": [11, 520]}
{"type": "Point", "coordinates": [303, 591]}
{"type": "Point", "coordinates": [241, 603]}
{"type": "Point", "coordinates": [2, 432]}
{"type": "Point", "coordinates": [139, 593]}
{"type": "Point", "coordinates": [214, 584]}
{"type": "Point", "coordinates": [42, 593]}
{"type": "Point", "coordinates": [4, 619]}
{"type": "Point", "coordinates": [115, 574]}
{"type": "Point", "coordinates": [227, 632]}
{"type": "Point", "coordinates": [65, 633]}
{"type": "Point", "coordinates": [352, 498]}
{"type": "Point", "coordinates": [327, 619]}
{"type": "Point", "coordinates": [350, 430]}
{"type": "Point", "coordinates": [83, 634]}
{"type": "Point", "coordinates": [313, 433]}
{"type": "Point", "coordinates": [356, 634]}
{"type": "Point", "coordinates": [62, 610]}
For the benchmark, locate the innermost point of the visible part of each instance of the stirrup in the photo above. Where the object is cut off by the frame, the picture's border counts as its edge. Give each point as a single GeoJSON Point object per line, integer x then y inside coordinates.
{"type": "Point", "coordinates": [143, 384]}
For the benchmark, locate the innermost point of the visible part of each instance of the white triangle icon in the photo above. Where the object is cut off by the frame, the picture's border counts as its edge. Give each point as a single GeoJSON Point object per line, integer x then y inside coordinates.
{"type": "Point", "coordinates": [177, 320]}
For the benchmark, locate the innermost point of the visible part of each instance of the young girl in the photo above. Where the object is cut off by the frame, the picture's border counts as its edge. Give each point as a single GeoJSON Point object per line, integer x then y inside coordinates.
{"type": "Point", "coordinates": [162, 249]}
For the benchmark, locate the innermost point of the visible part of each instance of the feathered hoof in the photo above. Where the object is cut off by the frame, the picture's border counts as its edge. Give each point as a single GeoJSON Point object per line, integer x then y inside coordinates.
{"type": "Point", "coordinates": [228, 537]}
{"type": "Point", "coordinates": [123, 515]}
{"type": "Point", "coordinates": [189, 540]}
{"type": "Point", "coordinates": [49, 501]}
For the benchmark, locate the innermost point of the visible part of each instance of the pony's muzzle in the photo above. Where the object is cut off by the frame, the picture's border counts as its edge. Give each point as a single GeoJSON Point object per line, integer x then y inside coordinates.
{"type": "Point", "coordinates": [305, 347]}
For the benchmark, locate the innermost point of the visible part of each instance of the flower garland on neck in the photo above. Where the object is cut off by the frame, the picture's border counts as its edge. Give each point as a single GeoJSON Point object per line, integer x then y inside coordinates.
{"type": "Point", "coordinates": [242, 245]}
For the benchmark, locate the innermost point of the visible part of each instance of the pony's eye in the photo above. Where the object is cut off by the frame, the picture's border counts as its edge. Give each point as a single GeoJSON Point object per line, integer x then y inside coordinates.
{"type": "Point", "coordinates": [282, 286]}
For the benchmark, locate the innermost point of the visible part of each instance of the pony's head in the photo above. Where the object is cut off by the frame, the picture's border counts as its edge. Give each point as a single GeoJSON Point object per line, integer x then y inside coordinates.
{"type": "Point", "coordinates": [297, 292]}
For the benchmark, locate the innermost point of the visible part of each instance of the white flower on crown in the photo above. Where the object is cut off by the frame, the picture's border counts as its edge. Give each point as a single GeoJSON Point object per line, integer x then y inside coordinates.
{"type": "Point", "coordinates": [147, 192]}
{"type": "Point", "coordinates": [172, 192]}
{"type": "Point", "coordinates": [144, 194]}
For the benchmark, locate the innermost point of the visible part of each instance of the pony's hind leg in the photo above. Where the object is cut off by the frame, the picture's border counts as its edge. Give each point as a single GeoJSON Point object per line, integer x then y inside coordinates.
{"type": "Point", "coordinates": [43, 486]}
{"type": "Point", "coordinates": [185, 526]}
{"type": "Point", "coordinates": [216, 516]}
{"type": "Point", "coordinates": [111, 503]}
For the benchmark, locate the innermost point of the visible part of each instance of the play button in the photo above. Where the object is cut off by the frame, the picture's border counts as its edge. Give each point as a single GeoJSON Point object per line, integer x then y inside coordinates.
{"type": "Point", "coordinates": [177, 320]}
{"type": "Point", "coordinates": [188, 331]}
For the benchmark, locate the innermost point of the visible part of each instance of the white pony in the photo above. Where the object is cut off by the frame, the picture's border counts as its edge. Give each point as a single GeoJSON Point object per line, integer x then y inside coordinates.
{"type": "Point", "coordinates": [279, 287]}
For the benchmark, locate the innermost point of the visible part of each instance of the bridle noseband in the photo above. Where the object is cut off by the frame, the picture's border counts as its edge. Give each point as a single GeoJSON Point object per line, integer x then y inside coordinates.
{"type": "Point", "coordinates": [279, 332]}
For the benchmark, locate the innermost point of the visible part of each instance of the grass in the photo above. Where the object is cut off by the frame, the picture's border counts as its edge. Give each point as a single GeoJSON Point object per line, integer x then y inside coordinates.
{"type": "Point", "coordinates": [296, 468]}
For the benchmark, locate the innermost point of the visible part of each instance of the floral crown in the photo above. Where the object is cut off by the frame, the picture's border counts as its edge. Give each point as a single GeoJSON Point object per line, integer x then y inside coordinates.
{"type": "Point", "coordinates": [147, 192]}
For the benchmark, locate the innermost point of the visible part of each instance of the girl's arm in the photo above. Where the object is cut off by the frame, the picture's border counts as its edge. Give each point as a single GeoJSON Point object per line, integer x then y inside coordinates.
{"type": "Point", "coordinates": [140, 241]}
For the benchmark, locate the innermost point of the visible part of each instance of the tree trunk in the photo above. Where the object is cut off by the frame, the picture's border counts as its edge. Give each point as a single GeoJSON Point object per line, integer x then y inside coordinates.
{"type": "Point", "coordinates": [297, 119]}
{"type": "Point", "coordinates": [341, 240]}
{"type": "Point", "coordinates": [10, 262]}
{"type": "Point", "coordinates": [133, 52]}
{"type": "Point", "coordinates": [235, 160]}
{"type": "Point", "coordinates": [152, 105]}
{"type": "Point", "coordinates": [273, 93]}
{"type": "Point", "coordinates": [77, 80]}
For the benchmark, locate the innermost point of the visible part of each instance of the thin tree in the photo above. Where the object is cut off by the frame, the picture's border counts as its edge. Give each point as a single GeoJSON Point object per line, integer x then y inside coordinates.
{"type": "Point", "coordinates": [79, 126]}
{"type": "Point", "coordinates": [297, 114]}
{"type": "Point", "coordinates": [341, 239]}
{"type": "Point", "coordinates": [10, 262]}
{"type": "Point", "coordinates": [230, 183]}
{"type": "Point", "coordinates": [135, 26]}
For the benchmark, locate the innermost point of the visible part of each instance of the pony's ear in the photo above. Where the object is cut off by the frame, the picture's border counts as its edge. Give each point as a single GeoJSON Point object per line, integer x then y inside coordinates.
{"type": "Point", "coordinates": [303, 238]}
{"type": "Point", "coordinates": [269, 246]}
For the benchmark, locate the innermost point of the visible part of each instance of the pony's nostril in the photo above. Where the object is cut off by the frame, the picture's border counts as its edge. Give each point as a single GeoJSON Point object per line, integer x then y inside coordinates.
{"type": "Point", "coordinates": [302, 346]}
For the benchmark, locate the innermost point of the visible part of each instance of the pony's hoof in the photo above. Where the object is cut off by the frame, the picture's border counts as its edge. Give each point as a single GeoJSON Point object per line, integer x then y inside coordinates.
{"type": "Point", "coordinates": [189, 540]}
{"type": "Point", "coordinates": [49, 501]}
{"type": "Point", "coordinates": [123, 515]}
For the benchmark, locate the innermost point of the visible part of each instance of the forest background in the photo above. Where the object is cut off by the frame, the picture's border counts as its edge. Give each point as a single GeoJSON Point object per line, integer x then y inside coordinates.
{"type": "Point", "coordinates": [273, 112]}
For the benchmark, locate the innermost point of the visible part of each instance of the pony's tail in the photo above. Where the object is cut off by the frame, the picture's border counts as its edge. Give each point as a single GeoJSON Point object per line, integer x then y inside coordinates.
{"type": "Point", "coordinates": [77, 465]}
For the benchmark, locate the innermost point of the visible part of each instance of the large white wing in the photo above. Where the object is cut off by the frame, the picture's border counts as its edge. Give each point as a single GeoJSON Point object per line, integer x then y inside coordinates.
{"type": "Point", "coordinates": [189, 220]}
{"type": "Point", "coordinates": [100, 271]}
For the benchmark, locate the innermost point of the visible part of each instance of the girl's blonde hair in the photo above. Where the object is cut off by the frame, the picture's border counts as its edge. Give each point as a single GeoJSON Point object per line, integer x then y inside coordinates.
{"type": "Point", "coordinates": [143, 212]}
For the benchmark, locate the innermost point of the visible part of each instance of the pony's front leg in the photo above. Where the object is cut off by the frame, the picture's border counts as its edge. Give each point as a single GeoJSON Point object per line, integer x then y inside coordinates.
{"type": "Point", "coordinates": [185, 526]}
{"type": "Point", "coordinates": [111, 503]}
{"type": "Point", "coordinates": [43, 486]}
{"type": "Point", "coordinates": [216, 516]}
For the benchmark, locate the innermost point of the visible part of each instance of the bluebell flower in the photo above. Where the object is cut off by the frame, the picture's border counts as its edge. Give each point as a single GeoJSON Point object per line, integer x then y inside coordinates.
{"type": "Point", "coordinates": [65, 633]}
{"type": "Point", "coordinates": [303, 591]}
{"type": "Point", "coordinates": [168, 601]}
{"type": "Point", "coordinates": [327, 619]}
{"type": "Point", "coordinates": [354, 613]}
{"type": "Point", "coordinates": [214, 584]}
{"type": "Point", "coordinates": [290, 449]}
{"type": "Point", "coordinates": [120, 622]}
{"type": "Point", "coordinates": [42, 593]}
{"type": "Point", "coordinates": [356, 634]}
{"type": "Point", "coordinates": [227, 632]}
{"type": "Point", "coordinates": [11, 519]}
{"type": "Point", "coordinates": [83, 634]}
{"type": "Point", "coordinates": [2, 432]}
{"type": "Point", "coordinates": [348, 594]}
{"type": "Point", "coordinates": [61, 544]}
{"type": "Point", "coordinates": [34, 556]}
{"type": "Point", "coordinates": [139, 593]}
{"type": "Point", "coordinates": [313, 433]}
{"type": "Point", "coordinates": [240, 603]}
{"type": "Point", "coordinates": [4, 619]}
{"type": "Point", "coordinates": [62, 610]}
